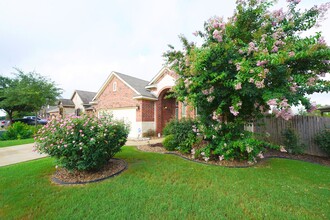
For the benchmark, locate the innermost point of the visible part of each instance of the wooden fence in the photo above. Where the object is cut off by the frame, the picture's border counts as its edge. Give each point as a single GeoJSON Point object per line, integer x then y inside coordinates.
{"type": "Point", "coordinates": [306, 127]}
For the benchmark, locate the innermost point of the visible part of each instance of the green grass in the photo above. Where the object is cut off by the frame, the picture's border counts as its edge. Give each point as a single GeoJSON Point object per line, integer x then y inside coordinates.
{"type": "Point", "coordinates": [16, 142]}
{"type": "Point", "coordinates": [158, 186]}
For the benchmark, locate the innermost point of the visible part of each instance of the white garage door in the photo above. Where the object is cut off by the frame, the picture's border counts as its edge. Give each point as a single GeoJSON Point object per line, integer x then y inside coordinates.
{"type": "Point", "coordinates": [129, 117]}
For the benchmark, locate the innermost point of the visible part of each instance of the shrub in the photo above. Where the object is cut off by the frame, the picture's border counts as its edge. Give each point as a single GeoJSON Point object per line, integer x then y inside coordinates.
{"type": "Point", "coordinates": [322, 139]}
{"type": "Point", "coordinates": [247, 148]}
{"type": "Point", "coordinates": [82, 143]}
{"type": "Point", "coordinates": [291, 142]}
{"type": "Point", "coordinates": [170, 143]}
{"type": "Point", "coordinates": [19, 130]}
{"type": "Point", "coordinates": [149, 133]}
{"type": "Point", "coordinates": [184, 133]}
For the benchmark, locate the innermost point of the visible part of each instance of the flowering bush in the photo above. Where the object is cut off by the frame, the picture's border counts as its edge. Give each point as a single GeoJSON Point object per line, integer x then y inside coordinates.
{"type": "Point", "coordinates": [254, 62]}
{"type": "Point", "coordinates": [82, 143]}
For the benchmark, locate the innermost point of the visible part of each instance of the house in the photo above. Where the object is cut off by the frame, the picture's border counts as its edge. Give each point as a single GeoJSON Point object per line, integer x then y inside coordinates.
{"type": "Point", "coordinates": [81, 100]}
{"type": "Point", "coordinates": [78, 104]}
{"type": "Point", "coordinates": [142, 104]}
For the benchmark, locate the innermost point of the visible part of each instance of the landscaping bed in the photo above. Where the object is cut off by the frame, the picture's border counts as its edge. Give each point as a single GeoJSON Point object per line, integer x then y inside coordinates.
{"type": "Point", "coordinates": [158, 148]}
{"type": "Point", "coordinates": [113, 168]}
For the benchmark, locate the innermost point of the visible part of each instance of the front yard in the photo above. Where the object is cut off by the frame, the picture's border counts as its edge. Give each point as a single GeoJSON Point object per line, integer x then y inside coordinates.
{"type": "Point", "coordinates": [157, 186]}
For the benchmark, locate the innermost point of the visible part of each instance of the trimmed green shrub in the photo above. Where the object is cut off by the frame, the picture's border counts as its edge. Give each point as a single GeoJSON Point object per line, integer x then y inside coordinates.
{"type": "Point", "coordinates": [18, 131]}
{"type": "Point", "coordinates": [82, 143]}
{"type": "Point", "coordinates": [184, 133]}
{"type": "Point", "coordinates": [170, 143]}
{"type": "Point", "coordinates": [291, 142]}
{"type": "Point", "coordinates": [322, 139]}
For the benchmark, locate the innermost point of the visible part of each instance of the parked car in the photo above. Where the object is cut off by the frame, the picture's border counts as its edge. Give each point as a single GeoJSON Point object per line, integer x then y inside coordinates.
{"type": "Point", "coordinates": [39, 120]}
{"type": "Point", "coordinates": [4, 123]}
{"type": "Point", "coordinates": [30, 121]}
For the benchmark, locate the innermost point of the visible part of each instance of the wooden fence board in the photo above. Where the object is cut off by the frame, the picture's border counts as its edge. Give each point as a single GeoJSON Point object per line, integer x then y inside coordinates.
{"type": "Point", "coordinates": [306, 127]}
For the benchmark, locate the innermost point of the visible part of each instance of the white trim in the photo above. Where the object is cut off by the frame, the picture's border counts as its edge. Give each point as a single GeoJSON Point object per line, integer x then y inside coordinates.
{"type": "Point", "coordinates": [145, 97]}
{"type": "Point", "coordinates": [105, 84]}
{"type": "Point", "coordinates": [159, 74]}
{"type": "Point", "coordinates": [151, 86]}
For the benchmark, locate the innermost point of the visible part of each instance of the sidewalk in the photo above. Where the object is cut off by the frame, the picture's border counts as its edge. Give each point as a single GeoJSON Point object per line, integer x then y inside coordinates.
{"type": "Point", "coordinates": [17, 154]}
{"type": "Point", "coordinates": [21, 153]}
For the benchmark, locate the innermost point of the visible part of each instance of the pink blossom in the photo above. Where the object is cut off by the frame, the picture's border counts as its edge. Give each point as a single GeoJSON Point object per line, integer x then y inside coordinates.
{"type": "Point", "coordinates": [251, 80]}
{"type": "Point", "coordinates": [291, 54]}
{"type": "Point", "coordinates": [217, 35]}
{"type": "Point", "coordinates": [238, 66]}
{"type": "Point", "coordinates": [233, 111]}
{"type": "Point", "coordinates": [260, 84]}
{"type": "Point", "coordinates": [240, 51]}
{"type": "Point", "coordinates": [210, 98]}
{"type": "Point", "coordinates": [285, 113]}
{"type": "Point", "coordinates": [205, 92]}
{"type": "Point", "coordinates": [275, 49]}
{"type": "Point", "coordinates": [321, 41]}
{"type": "Point", "coordinates": [261, 63]}
{"type": "Point", "coordinates": [260, 155]}
{"type": "Point", "coordinates": [282, 149]}
{"type": "Point", "coordinates": [80, 131]}
{"type": "Point", "coordinates": [195, 33]}
{"type": "Point", "coordinates": [238, 86]}
{"type": "Point", "coordinates": [249, 149]}
{"type": "Point", "coordinates": [313, 107]}
{"type": "Point", "coordinates": [272, 102]}
{"type": "Point", "coordinates": [221, 158]}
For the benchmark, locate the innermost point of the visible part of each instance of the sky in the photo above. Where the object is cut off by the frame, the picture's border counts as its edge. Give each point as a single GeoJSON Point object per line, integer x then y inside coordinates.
{"type": "Point", "coordinates": [78, 43]}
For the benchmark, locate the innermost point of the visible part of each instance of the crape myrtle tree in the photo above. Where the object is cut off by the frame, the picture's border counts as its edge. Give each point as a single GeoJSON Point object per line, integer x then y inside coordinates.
{"type": "Point", "coordinates": [26, 92]}
{"type": "Point", "coordinates": [255, 61]}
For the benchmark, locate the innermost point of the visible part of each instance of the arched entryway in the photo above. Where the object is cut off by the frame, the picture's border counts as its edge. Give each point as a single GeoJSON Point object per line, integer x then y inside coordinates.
{"type": "Point", "coordinates": [166, 109]}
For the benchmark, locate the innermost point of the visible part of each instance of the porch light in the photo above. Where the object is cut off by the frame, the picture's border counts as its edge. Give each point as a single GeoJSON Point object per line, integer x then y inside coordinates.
{"type": "Point", "coordinates": [137, 107]}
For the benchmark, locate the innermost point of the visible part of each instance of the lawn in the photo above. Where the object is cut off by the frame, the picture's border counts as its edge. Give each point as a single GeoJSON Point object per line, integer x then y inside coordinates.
{"type": "Point", "coordinates": [158, 186]}
{"type": "Point", "coordinates": [16, 142]}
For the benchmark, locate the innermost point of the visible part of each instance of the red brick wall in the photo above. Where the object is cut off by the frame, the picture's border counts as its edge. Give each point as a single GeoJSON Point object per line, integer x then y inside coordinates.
{"type": "Point", "coordinates": [122, 97]}
{"type": "Point", "coordinates": [148, 110]}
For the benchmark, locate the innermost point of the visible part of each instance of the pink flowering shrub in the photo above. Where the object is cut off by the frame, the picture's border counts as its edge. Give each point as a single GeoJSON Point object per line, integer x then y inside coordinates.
{"type": "Point", "coordinates": [256, 61]}
{"type": "Point", "coordinates": [82, 143]}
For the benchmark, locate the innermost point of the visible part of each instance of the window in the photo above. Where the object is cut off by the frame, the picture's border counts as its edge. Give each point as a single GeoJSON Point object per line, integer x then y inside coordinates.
{"type": "Point", "coordinates": [184, 110]}
{"type": "Point", "coordinates": [114, 86]}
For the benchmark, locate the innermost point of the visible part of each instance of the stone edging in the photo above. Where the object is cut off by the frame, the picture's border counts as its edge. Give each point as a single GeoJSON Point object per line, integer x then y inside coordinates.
{"type": "Point", "coordinates": [60, 182]}
{"type": "Point", "coordinates": [247, 166]}
{"type": "Point", "coordinates": [196, 161]}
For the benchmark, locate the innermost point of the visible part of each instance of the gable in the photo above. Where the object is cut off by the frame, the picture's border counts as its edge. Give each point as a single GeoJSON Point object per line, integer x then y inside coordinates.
{"type": "Point", "coordinates": [134, 84]}
{"type": "Point", "coordinates": [163, 80]}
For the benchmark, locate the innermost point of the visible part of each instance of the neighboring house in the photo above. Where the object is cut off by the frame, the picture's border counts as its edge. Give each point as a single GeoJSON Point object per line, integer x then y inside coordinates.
{"type": "Point", "coordinates": [78, 104]}
{"type": "Point", "coordinates": [142, 104]}
{"type": "Point", "coordinates": [66, 107]}
{"type": "Point", "coordinates": [81, 100]}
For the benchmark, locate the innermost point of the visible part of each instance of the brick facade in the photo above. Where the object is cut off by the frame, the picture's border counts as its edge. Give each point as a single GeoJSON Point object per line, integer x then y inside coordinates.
{"type": "Point", "coordinates": [148, 110]}
{"type": "Point", "coordinates": [121, 98]}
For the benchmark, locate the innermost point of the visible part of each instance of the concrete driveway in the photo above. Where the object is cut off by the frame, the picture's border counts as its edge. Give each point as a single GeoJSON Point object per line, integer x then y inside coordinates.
{"type": "Point", "coordinates": [17, 154]}
{"type": "Point", "coordinates": [21, 153]}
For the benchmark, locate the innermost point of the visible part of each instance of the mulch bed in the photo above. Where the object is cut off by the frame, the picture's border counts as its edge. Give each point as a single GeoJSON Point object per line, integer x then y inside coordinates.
{"type": "Point", "coordinates": [113, 168]}
{"type": "Point", "coordinates": [158, 148]}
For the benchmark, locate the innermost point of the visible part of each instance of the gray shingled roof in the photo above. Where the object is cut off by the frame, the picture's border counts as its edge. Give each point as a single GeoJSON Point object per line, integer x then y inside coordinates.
{"type": "Point", "coordinates": [86, 96]}
{"type": "Point", "coordinates": [66, 102]}
{"type": "Point", "coordinates": [138, 84]}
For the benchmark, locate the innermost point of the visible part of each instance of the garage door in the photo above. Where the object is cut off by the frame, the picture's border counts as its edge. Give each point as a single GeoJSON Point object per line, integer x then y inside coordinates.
{"type": "Point", "coordinates": [129, 117]}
